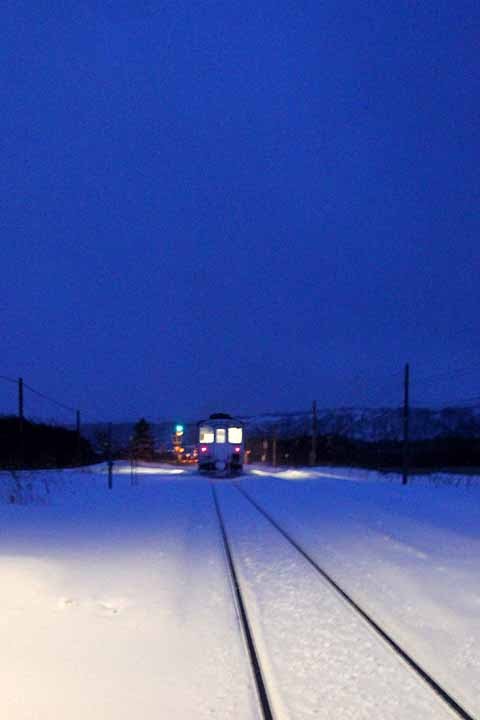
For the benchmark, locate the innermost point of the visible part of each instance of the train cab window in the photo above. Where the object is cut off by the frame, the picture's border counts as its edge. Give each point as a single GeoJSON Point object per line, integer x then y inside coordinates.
{"type": "Point", "coordinates": [235, 435]}
{"type": "Point", "coordinates": [206, 435]}
{"type": "Point", "coordinates": [221, 435]}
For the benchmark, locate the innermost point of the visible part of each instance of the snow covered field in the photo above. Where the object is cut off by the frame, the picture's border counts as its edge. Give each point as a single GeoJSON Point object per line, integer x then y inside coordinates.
{"type": "Point", "coordinates": [117, 604]}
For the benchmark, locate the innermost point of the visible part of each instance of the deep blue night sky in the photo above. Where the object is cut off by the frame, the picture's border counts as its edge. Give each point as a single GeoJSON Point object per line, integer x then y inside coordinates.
{"type": "Point", "coordinates": [237, 206]}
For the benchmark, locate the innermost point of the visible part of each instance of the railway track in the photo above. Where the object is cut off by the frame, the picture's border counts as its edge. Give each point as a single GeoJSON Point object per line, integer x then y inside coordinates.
{"type": "Point", "coordinates": [262, 692]}
{"type": "Point", "coordinates": [441, 693]}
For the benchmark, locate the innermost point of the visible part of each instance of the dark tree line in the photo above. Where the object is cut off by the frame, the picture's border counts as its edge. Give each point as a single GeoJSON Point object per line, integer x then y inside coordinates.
{"type": "Point", "coordinates": [39, 445]}
{"type": "Point", "coordinates": [440, 452]}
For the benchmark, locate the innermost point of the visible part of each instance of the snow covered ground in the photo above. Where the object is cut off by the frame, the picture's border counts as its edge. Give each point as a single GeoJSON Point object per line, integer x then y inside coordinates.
{"type": "Point", "coordinates": [117, 604]}
{"type": "Point", "coordinates": [409, 555]}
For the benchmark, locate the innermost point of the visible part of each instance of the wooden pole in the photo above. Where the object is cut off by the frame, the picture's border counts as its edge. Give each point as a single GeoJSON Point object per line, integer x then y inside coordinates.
{"type": "Point", "coordinates": [109, 457]}
{"type": "Point", "coordinates": [313, 451]}
{"type": "Point", "coordinates": [79, 451]}
{"type": "Point", "coordinates": [21, 437]}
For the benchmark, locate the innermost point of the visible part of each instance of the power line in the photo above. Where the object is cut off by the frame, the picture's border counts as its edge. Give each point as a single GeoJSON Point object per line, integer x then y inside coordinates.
{"type": "Point", "coordinates": [49, 399]}
{"type": "Point", "coordinates": [8, 379]}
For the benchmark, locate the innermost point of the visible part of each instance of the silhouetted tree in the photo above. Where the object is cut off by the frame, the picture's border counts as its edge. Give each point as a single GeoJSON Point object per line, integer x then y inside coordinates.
{"type": "Point", "coordinates": [142, 443]}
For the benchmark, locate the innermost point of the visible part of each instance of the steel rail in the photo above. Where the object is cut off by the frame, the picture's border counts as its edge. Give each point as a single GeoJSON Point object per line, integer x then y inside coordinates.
{"type": "Point", "coordinates": [408, 659]}
{"type": "Point", "coordinates": [243, 617]}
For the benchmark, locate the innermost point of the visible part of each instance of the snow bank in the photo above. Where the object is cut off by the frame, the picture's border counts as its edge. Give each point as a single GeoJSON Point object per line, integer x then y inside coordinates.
{"type": "Point", "coordinates": [364, 475]}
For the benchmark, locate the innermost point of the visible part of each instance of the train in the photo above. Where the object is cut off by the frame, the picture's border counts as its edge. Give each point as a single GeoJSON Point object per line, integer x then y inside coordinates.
{"type": "Point", "coordinates": [221, 445]}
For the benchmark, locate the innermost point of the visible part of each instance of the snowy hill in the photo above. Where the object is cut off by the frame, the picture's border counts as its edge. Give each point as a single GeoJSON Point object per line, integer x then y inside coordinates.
{"type": "Point", "coordinates": [371, 424]}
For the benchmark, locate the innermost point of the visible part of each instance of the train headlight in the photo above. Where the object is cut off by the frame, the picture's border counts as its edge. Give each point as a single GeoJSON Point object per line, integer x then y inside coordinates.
{"type": "Point", "coordinates": [203, 449]}
{"type": "Point", "coordinates": [237, 449]}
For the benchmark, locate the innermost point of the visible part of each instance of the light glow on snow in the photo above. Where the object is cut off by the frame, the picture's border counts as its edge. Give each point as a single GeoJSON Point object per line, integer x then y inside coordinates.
{"type": "Point", "coordinates": [145, 470]}
{"type": "Point", "coordinates": [285, 474]}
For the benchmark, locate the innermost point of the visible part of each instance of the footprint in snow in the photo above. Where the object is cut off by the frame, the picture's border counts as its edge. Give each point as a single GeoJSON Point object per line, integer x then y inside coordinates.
{"type": "Point", "coordinates": [68, 602]}
{"type": "Point", "coordinates": [107, 608]}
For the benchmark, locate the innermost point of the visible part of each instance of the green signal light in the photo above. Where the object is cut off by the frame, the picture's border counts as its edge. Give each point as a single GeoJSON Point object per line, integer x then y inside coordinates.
{"type": "Point", "coordinates": [178, 428]}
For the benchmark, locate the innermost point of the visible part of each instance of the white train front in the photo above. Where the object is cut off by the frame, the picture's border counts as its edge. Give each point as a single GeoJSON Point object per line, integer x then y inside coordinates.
{"type": "Point", "coordinates": [221, 444]}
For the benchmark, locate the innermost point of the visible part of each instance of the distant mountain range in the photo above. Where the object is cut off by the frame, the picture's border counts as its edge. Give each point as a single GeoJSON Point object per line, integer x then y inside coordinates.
{"type": "Point", "coordinates": [372, 424]}
{"type": "Point", "coordinates": [368, 424]}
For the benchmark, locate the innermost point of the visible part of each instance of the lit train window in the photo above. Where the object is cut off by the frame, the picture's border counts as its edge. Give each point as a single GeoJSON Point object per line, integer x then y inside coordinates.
{"type": "Point", "coordinates": [221, 435]}
{"type": "Point", "coordinates": [206, 435]}
{"type": "Point", "coordinates": [235, 435]}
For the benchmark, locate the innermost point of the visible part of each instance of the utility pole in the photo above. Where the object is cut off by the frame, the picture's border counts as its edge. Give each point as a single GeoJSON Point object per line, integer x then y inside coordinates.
{"type": "Point", "coordinates": [313, 451]}
{"type": "Point", "coordinates": [406, 414]}
{"type": "Point", "coordinates": [78, 451]}
{"type": "Point", "coordinates": [109, 457]}
{"type": "Point", "coordinates": [21, 439]}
